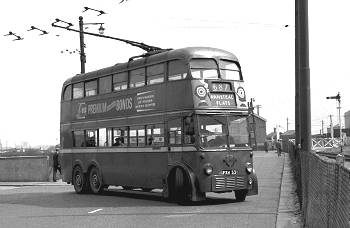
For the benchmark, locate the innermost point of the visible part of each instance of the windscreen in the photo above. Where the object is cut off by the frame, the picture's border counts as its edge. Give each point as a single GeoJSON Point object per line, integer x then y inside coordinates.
{"type": "Point", "coordinates": [212, 131]}
{"type": "Point", "coordinates": [223, 131]}
{"type": "Point", "coordinates": [238, 131]}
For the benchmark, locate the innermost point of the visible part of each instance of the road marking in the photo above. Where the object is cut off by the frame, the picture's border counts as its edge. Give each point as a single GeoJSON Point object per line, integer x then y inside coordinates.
{"type": "Point", "coordinates": [177, 216]}
{"type": "Point", "coordinates": [94, 211]}
{"type": "Point", "coordinates": [7, 187]}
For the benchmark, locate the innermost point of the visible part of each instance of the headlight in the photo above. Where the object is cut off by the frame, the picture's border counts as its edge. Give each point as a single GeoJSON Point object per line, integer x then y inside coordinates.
{"type": "Point", "coordinates": [208, 169]}
{"type": "Point", "coordinates": [249, 167]}
{"type": "Point", "coordinates": [249, 170]}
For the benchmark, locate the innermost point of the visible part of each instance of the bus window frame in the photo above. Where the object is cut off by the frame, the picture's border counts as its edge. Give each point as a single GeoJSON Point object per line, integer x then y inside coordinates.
{"type": "Point", "coordinates": [168, 136]}
{"type": "Point", "coordinates": [70, 87]}
{"type": "Point", "coordinates": [105, 144]}
{"type": "Point", "coordinates": [83, 92]}
{"type": "Point", "coordinates": [183, 76]}
{"type": "Point", "coordinates": [201, 69]}
{"type": "Point", "coordinates": [95, 137]}
{"type": "Point", "coordinates": [148, 82]}
{"type": "Point", "coordinates": [126, 142]}
{"type": "Point", "coordinates": [151, 136]}
{"type": "Point", "coordinates": [238, 66]}
{"type": "Point", "coordinates": [130, 77]}
{"type": "Point", "coordinates": [75, 141]}
{"type": "Point", "coordinates": [96, 89]}
{"type": "Point", "coordinates": [110, 87]}
{"type": "Point", "coordinates": [127, 73]}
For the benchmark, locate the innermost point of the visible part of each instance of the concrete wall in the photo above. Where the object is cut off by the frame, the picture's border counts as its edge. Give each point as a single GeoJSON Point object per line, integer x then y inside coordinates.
{"type": "Point", "coordinates": [24, 168]}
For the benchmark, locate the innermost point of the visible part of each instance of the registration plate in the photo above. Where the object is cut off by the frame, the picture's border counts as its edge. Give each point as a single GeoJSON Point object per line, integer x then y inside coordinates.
{"type": "Point", "coordinates": [229, 172]}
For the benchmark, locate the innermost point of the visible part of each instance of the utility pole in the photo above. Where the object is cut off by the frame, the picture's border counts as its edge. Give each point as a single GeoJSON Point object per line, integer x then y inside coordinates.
{"type": "Point", "coordinates": [304, 83]}
{"type": "Point", "coordinates": [297, 76]}
{"type": "Point", "coordinates": [258, 109]}
{"type": "Point", "coordinates": [287, 124]}
{"type": "Point", "coordinates": [322, 128]}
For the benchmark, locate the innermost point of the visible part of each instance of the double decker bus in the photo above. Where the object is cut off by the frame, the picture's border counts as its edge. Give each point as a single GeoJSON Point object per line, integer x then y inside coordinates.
{"type": "Point", "coordinates": [176, 120]}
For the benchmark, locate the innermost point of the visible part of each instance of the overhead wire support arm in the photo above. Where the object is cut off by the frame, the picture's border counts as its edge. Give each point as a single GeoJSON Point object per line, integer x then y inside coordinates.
{"type": "Point", "coordinates": [143, 46]}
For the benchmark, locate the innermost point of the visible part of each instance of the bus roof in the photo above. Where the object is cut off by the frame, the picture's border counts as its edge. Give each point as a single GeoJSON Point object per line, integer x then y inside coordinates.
{"type": "Point", "coordinates": [182, 53]}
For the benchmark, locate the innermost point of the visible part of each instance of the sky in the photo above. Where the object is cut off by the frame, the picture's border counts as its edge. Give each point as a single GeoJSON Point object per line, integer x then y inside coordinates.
{"type": "Point", "coordinates": [33, 69]}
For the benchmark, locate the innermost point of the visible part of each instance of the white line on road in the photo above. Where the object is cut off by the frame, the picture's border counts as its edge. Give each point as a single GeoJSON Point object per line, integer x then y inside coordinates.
{"type": "Point", "coordinates": [177, 216]}
{"type": "Point", "coordinates": [7, 187]}
{"type": "Point", "coordinates": [94, 211]}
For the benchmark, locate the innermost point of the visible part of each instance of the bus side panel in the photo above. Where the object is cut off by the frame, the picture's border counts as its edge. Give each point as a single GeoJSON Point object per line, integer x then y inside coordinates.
{"type": "Point", "coordinates": [66, 165]}
{"type": "Point", "coordinates": [137, 169]}
{"type": "Point", "coordinates": [65, 153]}
{"type": "Point", "coordinates": [179, 95]}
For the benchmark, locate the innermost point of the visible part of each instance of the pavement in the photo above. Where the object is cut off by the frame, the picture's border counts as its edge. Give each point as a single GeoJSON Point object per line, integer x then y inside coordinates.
{"type": "Point", "coordinates": [288, 214]}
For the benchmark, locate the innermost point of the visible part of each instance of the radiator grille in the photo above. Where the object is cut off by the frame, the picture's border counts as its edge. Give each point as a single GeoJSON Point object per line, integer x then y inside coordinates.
{"type": "Point", "coordinates": [223, 182]}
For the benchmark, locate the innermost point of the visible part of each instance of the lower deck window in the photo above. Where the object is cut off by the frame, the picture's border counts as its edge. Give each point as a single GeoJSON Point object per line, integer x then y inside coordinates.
{"type": "Point", "coordinates": [78, 139]}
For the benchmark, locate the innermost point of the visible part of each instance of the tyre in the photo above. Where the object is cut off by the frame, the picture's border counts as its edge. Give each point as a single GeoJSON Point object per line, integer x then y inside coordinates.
{"type": "Point", "coordinates": [95, 179]}
{"type": "Point", "coordinates": [80, 182]}
{"type": "Point", "coordinates": [181, 187]}
{"type": "Point", "coordinates": [127, 187]}
{"type": "Point", "coordinates": [240, 195]}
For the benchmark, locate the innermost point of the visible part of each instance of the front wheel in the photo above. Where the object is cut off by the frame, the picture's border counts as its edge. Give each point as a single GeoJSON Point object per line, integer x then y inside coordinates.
{"type": "Point", "coordinates": [241, 194]}
{"type": "Point", "coordinates": [95, 180]}
{"type": "Point", "coordinates": [180, 187]}
{"type": "Point", "coordinates": [80, 182]}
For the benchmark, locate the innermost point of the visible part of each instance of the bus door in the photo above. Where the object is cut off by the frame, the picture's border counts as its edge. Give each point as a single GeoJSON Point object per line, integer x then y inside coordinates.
{"type": "Point", "coordinates": [174, 130]}
{"type": "Point", "coordinates": [181, 138]}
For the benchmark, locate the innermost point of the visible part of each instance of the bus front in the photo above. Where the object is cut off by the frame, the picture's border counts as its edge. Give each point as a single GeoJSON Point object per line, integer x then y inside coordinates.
{"type": "Point", "coordinates": [222, 128]}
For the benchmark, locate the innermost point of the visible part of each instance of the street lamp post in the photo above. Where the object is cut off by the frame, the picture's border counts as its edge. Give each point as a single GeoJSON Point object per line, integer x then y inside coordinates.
{"type": "Point", "coordinates": [148, 48]}
{"type": "Point", "coordinates": [82, 45]}
{"type": "Point", "coordinates": [82, 52]}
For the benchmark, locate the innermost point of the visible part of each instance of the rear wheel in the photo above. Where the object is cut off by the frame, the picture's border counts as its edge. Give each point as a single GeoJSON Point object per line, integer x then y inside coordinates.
{"type": "Point", "coordinates": [127, 187]}
{"type": "Point", "coordinates": [95, 179]}
{"type": "Point", "coordinates": [241, 194]}
{"type": "Point", "coordinates": [80, 182]}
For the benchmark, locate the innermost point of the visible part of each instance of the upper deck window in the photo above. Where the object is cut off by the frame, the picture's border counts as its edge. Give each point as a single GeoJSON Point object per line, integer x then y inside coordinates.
{"type": "Point", "coordinates": [204, 69]}
{"type": "Point", "coordinates": [120, 81]}
{"type": "Point", "coordinates": [105, 85]}
{"type": "Point", "coordinates": [155, 74]}
{"type": "Point", "coordinates": [78, 90]}
{"type": "Point", "coordinates": [229, 70]}
{"type": "Point", "coordinates": [177, 70]}
{"type": "Point", "coordinates": [67, 95]}
{"type": "Point", "coordinates": [137, 78]}
{"type": "Point", "coordinates": [91, 88]}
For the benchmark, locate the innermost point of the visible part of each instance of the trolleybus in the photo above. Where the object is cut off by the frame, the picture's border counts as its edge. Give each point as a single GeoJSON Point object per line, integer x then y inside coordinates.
{"type": "Point", "coordinates": [176, 120]}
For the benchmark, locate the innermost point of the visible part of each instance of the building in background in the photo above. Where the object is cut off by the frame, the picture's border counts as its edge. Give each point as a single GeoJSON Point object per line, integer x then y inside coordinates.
{"type": "Point", "coordinates": [347, 119]}
{"type": "Point", "coordinates": [259, 124]}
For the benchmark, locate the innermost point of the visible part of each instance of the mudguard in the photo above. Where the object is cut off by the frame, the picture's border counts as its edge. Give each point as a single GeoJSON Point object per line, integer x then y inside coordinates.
{"type": "Point", "coordinates": [195, 194]}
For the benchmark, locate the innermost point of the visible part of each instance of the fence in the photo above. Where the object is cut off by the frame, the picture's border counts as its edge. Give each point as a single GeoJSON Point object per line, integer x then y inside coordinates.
{"type": "Point", "coordinates": [324, 142]}
{"type": "Point", "coordinates": [24, 168]}
{"type": "Point", "coordinates": [323, 187]}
